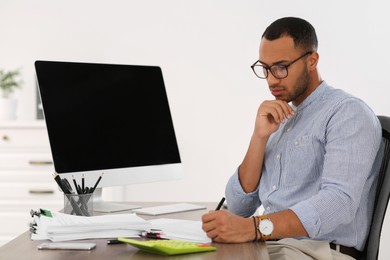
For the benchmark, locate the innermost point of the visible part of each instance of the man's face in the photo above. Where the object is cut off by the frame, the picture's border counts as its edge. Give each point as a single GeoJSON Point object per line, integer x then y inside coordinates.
{"type": "Point", "coordinates": [296, 86]}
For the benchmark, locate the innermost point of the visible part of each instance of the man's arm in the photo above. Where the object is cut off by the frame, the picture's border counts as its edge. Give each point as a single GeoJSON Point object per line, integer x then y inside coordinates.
{"type": "Point", "coordinates": [269, 116]}
{"type": "Point", "coordinates": [249, 172]}
{"type": "Point", "coordinates": [223, 226]}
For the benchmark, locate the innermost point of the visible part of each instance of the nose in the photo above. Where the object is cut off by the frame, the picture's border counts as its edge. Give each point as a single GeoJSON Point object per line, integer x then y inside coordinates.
{"type": "Point", "coordinates": [271, 80]}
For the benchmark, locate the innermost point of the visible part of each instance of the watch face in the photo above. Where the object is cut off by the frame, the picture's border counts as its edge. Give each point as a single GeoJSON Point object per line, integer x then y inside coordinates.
{"type": "Point", "coordinates": [266, 227]}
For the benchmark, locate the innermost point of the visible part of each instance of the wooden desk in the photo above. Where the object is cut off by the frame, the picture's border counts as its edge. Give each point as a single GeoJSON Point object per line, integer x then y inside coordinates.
{"type": "Point", "coordinates": [23, 247]}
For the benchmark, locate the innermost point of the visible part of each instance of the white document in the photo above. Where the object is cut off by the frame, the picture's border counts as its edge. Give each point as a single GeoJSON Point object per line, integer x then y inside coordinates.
{"type": "Point", "coordinates": [187, 230]}
{"type": "Point", "coordinates": [167, 209]}
{"type": "Point", "coordinates": [64, 227]}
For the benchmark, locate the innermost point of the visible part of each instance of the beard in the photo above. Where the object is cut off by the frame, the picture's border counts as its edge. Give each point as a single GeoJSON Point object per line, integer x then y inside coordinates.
{"type": "Point", "coordinates": [301, 86]}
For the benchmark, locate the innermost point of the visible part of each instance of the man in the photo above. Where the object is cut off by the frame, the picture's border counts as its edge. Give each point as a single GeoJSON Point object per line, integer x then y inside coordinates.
{"type": "Point", "coordinates": [312, 160]}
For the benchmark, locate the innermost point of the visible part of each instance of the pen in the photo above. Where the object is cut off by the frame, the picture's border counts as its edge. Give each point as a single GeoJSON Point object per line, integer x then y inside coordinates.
{"type": "Point", "coordinates": [57, 178]}
{"type": "Point", "coordinates": [82, 184]}
{"type": "Point", "coordinates": [97, 182]}
{"type": "Point", "coordinates": [220, 203]}
{"type": "Point", "coordinates": [113, 242]}
{"type": "Point", "coordinates": [151, 235]}
{"type": "Point", "coordinates": [76, 186]}
{"type": "Point", "coordinates": [66, 185]}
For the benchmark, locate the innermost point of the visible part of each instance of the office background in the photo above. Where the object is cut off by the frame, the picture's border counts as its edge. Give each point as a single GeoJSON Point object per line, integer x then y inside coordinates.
{"type": "Point", "coordinates": [205, 48]}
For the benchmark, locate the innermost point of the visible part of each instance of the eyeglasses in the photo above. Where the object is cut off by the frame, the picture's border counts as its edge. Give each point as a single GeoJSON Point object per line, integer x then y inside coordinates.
{"type": "Point", "coordinates": [279, 71]}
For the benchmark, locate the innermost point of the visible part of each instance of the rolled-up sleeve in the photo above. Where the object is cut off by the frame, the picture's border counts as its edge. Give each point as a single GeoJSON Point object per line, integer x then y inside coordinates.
{"type": "Point", "coordinates": [238, 201]}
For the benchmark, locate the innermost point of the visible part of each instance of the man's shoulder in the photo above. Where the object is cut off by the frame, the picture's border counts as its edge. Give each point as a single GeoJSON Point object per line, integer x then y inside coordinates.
{"type": "Point", "coordinates": [336, 94]}
{"type": "Point", "coordinates": [339, 97]}
{"type": "Point", "coordinates": [337, 106]}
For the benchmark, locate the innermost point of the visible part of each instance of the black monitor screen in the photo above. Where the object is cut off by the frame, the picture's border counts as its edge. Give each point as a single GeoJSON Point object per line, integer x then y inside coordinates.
{"type": "Point", "coordinates": [104, 116]}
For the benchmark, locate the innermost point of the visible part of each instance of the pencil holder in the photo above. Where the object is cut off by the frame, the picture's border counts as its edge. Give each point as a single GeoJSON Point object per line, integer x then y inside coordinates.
{"type": "Point", "coordinates": [78, 204]}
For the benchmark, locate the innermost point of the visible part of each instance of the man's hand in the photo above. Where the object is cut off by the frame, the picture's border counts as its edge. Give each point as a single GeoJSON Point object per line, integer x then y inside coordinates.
{"type": "Point", "coordinates": [223, 226]}
{"type": "Point", "coordinates": [269, 116]}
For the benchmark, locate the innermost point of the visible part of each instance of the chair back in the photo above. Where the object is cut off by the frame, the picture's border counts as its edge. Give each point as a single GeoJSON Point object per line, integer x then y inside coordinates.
{"type": "Point", "coordinates": [382, 196]}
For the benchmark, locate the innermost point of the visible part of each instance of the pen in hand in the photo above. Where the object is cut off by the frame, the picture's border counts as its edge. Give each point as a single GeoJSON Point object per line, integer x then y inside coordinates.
{"type": "Point", "coordinates": [220, 203]}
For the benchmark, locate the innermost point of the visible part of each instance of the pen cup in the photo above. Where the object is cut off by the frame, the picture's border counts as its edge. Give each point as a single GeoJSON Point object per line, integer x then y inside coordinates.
{"type": "Point", "coordinates": [78, 204]}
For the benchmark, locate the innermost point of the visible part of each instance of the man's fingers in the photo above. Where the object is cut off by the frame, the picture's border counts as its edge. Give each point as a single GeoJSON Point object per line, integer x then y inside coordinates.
{"type": "Point", "coordinates": [209, 216]}
{"type": "Point", "coordinates": [277, 110]}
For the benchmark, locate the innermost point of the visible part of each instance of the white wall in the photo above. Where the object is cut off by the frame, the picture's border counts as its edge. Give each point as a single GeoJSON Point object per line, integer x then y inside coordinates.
{"type": "Point", "coordinates": [205, 48]}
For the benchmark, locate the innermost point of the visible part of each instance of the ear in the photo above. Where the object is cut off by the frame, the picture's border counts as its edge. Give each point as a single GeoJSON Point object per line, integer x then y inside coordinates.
{"type": "Point", "coordinates": [312, 61]}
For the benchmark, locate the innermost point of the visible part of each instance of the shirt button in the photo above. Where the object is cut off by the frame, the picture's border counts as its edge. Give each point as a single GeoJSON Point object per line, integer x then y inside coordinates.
{"type": "Point", "coordinates": [278, 156]}
{"type": "Point", "coordinates": [288, 130]}
{"type": "Point", "coordinates": [268, 208]}
{"type": "Point", "coordinates": [274, 187]}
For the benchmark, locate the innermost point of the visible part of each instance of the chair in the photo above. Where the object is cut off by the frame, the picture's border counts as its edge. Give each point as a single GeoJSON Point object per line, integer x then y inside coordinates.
{"type": "Point", "coordinates": [382, 196]}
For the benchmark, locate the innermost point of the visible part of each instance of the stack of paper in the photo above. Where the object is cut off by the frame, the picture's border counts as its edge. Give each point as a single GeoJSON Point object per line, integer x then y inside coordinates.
{"type": "Point", "coordinates": [64, 227]}
{"type": "Point", "coordinates": [187, 230]}
{"type": "Point", "coordinates": [57, 226]}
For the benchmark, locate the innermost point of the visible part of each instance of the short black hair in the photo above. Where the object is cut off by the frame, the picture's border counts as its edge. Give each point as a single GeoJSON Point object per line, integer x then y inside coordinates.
{"type": "Point", "coordinates": [302, 32]}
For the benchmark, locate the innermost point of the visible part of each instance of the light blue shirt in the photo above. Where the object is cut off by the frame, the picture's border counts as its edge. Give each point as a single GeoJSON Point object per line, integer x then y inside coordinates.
{"type": "Point", "coordinates": [323, 165]}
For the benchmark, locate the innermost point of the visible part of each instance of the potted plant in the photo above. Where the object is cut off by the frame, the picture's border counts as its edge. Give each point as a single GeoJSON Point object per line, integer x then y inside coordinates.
{"type": "Point", "coordinates": [8, 83]}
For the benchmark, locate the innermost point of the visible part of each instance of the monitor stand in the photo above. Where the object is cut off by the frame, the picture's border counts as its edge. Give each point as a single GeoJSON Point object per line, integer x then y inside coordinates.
{"type": "Point", "coordinates": [108, 207]}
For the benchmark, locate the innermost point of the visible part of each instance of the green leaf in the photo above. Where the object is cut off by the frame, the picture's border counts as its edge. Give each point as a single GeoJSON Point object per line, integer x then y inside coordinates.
{"type": "Point", "coordinates": [9, 82]}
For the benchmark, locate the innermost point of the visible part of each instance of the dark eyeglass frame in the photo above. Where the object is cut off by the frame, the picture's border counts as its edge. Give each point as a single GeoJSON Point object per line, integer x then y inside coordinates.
{"type": "Point", "coordinates": [267, 69]}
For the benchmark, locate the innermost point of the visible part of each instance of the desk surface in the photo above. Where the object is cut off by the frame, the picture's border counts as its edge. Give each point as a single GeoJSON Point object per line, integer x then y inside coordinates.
{"type": "Point", "coordinates": [23, 247]}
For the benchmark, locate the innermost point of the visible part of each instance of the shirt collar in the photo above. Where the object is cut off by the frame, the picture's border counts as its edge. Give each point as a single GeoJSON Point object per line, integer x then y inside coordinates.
{"type": "Point", "coordinates": [317, 93]}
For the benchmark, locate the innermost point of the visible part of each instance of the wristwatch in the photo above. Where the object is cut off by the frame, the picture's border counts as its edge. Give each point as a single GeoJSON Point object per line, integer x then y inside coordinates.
{"type": "Point", "coordinates": [266, 227]}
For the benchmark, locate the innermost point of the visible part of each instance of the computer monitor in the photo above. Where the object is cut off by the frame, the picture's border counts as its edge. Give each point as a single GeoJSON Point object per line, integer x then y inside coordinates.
{"type": "Point", "coordinates": [111, 119]}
